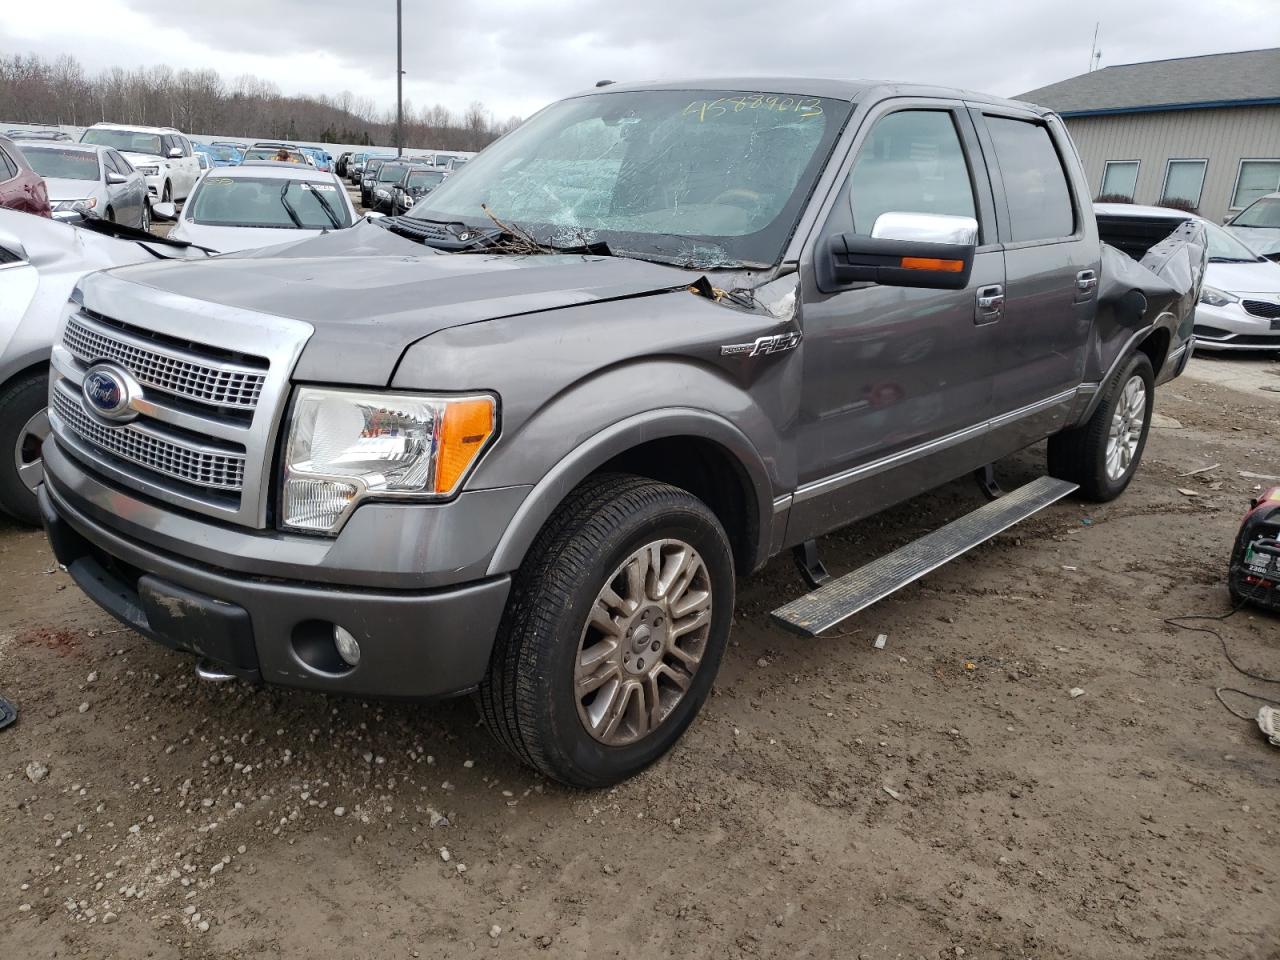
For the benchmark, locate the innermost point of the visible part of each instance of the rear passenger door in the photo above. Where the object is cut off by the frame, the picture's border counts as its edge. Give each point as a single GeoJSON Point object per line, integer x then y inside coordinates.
{"type": "Point", "coordinates": [1051, 259]}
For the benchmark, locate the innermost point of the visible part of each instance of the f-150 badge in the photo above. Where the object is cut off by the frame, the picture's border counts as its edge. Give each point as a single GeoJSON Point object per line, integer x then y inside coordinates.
{"type": "Point", "coordinates": [775, 343]}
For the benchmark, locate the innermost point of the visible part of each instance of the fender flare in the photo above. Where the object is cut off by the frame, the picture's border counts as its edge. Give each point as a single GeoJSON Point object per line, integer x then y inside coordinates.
{"type": "Point", "coordinates": [1165, 321]}
{"type": "Point", "coordinates": [598, 449]}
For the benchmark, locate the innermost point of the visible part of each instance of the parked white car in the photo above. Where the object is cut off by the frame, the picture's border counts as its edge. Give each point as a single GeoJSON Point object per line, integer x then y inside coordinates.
{"type": "Point", "coordinates": [260, 204]}
{"type": "Point", "coordinates": [161, 154]}
{"type": "Point", "coordinates": [1258, 225]}
{"type": "Point", "coordinates": [1239, 306]}
{"type": "Point", "coordinates": [84, 180]}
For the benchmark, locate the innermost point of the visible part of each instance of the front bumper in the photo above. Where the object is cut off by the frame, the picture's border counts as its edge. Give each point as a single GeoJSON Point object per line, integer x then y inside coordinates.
{"type": "Point", "coordinates": [414, 643]}
{"type": "Point", "coordinates": [1233, 328]}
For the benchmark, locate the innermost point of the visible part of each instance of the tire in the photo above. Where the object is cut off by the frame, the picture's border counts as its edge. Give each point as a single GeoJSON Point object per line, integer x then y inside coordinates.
{"type": "Point", "coordinates": [1080, 454]}
{"type": "Point", "coordinates": [166, 195]}
{"type": "Point", "coordinates": [111, 215]}
{"type": "Point", "coordinates": [145, 220]}
{"type": "Point", "coordinates": [529, 697]}
{"type": "Point", "coordinates": [23, 427]}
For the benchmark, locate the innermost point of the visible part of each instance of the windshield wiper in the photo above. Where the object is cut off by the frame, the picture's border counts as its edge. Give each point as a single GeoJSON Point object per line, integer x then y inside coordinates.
{"type": "Point", "coordinates": [288, 207]}
{"type": "Point", "coordinates": [328, 210]}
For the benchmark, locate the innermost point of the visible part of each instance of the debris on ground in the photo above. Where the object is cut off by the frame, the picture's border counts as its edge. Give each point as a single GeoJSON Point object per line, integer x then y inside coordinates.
{"type": "Point", "coordinates": [880, 641]}
{"type": "Point", "coordinates": [1076, 692]}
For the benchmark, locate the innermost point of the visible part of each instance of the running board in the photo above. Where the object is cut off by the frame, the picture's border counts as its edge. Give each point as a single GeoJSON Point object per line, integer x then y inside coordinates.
{"type": "Point", "coordinates": [840, 599]}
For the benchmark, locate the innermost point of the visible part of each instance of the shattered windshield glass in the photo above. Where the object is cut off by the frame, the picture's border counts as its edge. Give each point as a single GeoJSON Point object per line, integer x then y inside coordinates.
{"type": "Point", "coordinates": [706, 178]}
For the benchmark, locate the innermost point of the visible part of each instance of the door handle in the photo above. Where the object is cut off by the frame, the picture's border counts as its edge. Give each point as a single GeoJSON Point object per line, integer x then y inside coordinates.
{"type": "Point", "coordinates": [990, 304]}
{"type": "Point", "coordinates": [1086, 281]}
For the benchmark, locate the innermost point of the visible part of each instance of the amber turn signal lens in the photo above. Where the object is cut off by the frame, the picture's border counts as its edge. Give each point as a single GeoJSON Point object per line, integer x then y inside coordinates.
{"type": "Point", "coordinates": [467, 427]}
{"type": "Point", "coordinates": [932, 263]}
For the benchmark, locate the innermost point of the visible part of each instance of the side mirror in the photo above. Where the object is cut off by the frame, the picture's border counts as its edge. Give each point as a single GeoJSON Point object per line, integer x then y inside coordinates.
{"type": "Point", "coordinates": [374, 215]}
{"type": "Point", "coordinates": [10, 244]}
{"type": "Point", "coordinates": [164, 211]}
{"type": "Point", "coordinates": [115, 179]}
{"type": "Point", "coordinates": [929, 250]}
{"type": "Point", "coordinates": [175, 153]}
{"type": "Point", "coordinates": [1228, 218]}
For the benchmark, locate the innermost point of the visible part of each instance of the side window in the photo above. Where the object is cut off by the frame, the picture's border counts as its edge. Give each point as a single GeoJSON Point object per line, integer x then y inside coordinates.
{"type": "Point", "coordinates": [1035, 185]}
{"type": "Point", "coordinates": [170, 143]}
{"type": "Point", "coordinates": [186, 146]}
{"type": "Point", "coordinates": [122, 165]}
{"type": "Point", "coordinates": [8, 169]}
{"type": "Point", "coordinates": [109, 161]}
{"type": "Point", "coordinates": [911, 163]}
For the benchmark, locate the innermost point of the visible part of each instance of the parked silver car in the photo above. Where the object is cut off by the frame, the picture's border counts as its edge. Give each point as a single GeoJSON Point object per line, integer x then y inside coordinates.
{"type": "Point", "coordinates": [260, 204]}
{"type": "Point", "coordinates": [87, 180]}
{"type": "Point", "coordinates": [1258, 225]}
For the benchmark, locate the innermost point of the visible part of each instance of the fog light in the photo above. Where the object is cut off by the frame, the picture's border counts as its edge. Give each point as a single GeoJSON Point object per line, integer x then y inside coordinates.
{"type": "Point", "coordinates": [348, 649]}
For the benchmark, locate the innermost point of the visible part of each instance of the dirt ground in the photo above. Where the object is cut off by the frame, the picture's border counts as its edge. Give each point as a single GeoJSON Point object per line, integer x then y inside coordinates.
{"type": "Point", "coordinates": [1140, 819]}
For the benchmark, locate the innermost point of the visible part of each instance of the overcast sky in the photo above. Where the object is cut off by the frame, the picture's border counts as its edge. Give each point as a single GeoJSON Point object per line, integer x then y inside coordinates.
{"type": "Point", "coordinates": [516, 55]}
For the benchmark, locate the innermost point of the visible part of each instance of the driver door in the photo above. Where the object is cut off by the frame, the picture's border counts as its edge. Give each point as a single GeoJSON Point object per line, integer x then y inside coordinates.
{"type": "Point", "coordinates": [897, 382]}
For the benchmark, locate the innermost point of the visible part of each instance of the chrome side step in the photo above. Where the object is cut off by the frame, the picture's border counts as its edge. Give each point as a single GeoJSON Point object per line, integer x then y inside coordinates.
{"type": "Point", "coordinates": [840, 599]}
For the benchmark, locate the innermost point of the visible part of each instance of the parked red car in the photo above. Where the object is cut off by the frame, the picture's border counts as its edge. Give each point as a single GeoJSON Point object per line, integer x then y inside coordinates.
{"type": "Point", "coordinates": [21, 188]}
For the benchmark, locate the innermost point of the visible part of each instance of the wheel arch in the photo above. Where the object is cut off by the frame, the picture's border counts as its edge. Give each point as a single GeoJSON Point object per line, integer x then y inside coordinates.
{"type": "Point", "coordinates": [692, 449]}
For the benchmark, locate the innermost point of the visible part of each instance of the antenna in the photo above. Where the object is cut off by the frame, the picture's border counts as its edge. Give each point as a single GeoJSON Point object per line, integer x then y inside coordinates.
{"type": "Point", "coordinates": [1094, 53]}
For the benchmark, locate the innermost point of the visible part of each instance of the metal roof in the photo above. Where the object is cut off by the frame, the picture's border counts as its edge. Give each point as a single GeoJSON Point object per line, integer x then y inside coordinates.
{"type": "Point", "coordinates": [1249, 77]}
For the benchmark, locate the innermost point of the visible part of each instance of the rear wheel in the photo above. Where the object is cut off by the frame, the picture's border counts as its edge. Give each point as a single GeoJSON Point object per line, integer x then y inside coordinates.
{"type": "Point", "coordinates": [24, 425]}
{"type": "Point", "coordinates": [1103, 454]}
{"type": "Point", "coordinates": [613, 632]}
{"type": "Point", "coordinates": [166, 195]}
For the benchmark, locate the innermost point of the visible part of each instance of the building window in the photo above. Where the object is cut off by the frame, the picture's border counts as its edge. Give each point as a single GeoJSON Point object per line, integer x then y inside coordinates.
{"type": "Point", "coordinates": [1256, 179]}
{"type": "Point", "coordinates": [1119, 179]}
{"type": "Point", "coordinates": [1183, 182]}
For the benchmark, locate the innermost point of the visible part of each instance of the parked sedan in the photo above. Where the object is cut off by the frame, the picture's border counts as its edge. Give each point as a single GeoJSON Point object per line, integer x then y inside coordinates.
{"type": "Point", "coordinates": [369, 178]}
{"type": "Point", "coordinates": [21, 188]}
{"type": "Point", "coordinates": [1258, 225]}
{"type": "Point", "coordinates": [37, 135]}
{"type": "Point", "coordinates": [389, 174]}
{"type": "Point", "coordinates": [86, 180]}
{"type": "Point", "coordinates": [260, 205]}
{"type": "Point", "coordinates": [416, 183]}
{"type": "Point", "coordinates": [1239, 306]}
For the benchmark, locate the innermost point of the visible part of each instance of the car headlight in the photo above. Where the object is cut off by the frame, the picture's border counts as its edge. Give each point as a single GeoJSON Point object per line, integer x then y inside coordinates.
{"type": "Point", "coordinates": [1217, 298]}
{"type": "Point", "coordinates": [381, 192]}
{"type": "Point", "coordinates": [77, 206]}
{"type": "Point", "coordinates": [149, 171]}
{"type": "Point", "coordinates": [346, 446]}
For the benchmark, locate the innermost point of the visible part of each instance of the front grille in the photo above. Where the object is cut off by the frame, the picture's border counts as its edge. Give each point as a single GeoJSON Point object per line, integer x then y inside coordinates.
{"type": "Point", "coordinates": [174, 371]}
{"type": "Point", "coordinates": [1262, 308]}
{"type": "Point", "coordinates": [171, 457]}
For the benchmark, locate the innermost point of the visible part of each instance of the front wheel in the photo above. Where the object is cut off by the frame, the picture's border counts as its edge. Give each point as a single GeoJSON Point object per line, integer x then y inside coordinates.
{"type": "Point", "coordinates": [613, 632]}
{"type": "Point", "coordinates": [145, 221]}
{"type": "Point", "coordinates": [24, 425]}
{"type": "Point", "coordinates": [1103, 454]}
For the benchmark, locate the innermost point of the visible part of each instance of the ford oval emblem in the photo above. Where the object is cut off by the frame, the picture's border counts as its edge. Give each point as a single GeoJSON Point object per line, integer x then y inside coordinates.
{"type": "Point", "coordinates": [109, 392]}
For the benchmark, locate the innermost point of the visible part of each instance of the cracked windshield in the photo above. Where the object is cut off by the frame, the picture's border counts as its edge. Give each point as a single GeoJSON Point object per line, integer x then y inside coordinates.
{"type": "Point", "coordinates": [702, 178]}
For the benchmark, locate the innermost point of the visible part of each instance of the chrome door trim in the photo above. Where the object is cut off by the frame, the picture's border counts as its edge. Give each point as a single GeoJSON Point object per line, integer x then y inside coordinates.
{"type": "Point", "coordinates": [826, 485]}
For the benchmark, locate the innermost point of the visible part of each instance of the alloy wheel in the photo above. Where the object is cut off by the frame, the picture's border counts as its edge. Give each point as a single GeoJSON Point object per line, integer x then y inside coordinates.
{"type": "Point", "coordinates": [26, 452]}
{"type": "Point", "coordinates": [643, 642]}
{"type": "Point", "coordinates": [1126, 428]}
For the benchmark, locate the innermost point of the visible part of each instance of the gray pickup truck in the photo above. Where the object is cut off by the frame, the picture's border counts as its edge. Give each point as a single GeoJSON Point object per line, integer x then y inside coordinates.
{"type": "Point", "coordinates": [520, 441]}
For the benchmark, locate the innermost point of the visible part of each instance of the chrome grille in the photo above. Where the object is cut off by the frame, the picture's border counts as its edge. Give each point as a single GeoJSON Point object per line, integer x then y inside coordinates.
{"type": "Point", "coordinates": [1262, 308]}
{"type": "Point", "coordinates": [202, 468]}
{"type": "Point", "coordinates": [174, 371]}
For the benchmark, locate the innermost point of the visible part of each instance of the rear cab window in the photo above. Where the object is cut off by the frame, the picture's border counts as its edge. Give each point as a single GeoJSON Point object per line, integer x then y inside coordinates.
{"type": "Point", "coordinates": [1037, 195]}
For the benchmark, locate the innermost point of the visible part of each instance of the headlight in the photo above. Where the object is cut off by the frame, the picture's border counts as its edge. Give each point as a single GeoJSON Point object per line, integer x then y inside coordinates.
{"type": "Point", "coordinates": [382, 193]}
{"type": "Point", "coordinates": [149, 171]}
{"type": "Point", "coordinates": [78, 206]}
{"type": "Point", "coordinates": [1217, 298]}
{"type": "Point", "coordinates": [345, 446]}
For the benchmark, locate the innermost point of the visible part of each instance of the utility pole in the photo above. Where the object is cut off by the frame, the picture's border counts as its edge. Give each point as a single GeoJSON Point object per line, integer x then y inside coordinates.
{"type": "Point", "coordinates": [399, 85]}
{"type": "Point", "coordinates": [1094, 53]}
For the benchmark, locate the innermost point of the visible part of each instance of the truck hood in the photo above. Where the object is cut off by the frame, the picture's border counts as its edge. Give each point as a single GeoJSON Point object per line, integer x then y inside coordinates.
{"type": "Point", "coordinates": [141, 159]}
{"type": "Point", "coordinates": [369, 294]}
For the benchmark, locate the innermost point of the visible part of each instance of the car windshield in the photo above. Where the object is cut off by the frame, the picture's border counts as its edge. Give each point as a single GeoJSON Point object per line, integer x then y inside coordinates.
{"type": "Point", "coordinates": [1224, 248]}
{"type": "Point", "coordinates": [55, 163]}
{"type": "Point", "coordinates": [391, 172]}
{"type": "Point", "coordinates": [425, 178]}
{"type": "Point", "coordinates": [272, 153]}
{"type": "Point", "coordinates": [223, 153]}
{"type": "Point", "coordinates": [129, 141]}
{"type": "Point", "coordinates": [1260, 213]}
{"type": "Point", "coordinates": [703, 178]}
{"type": "Point", "coordinates": [265, 202]}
